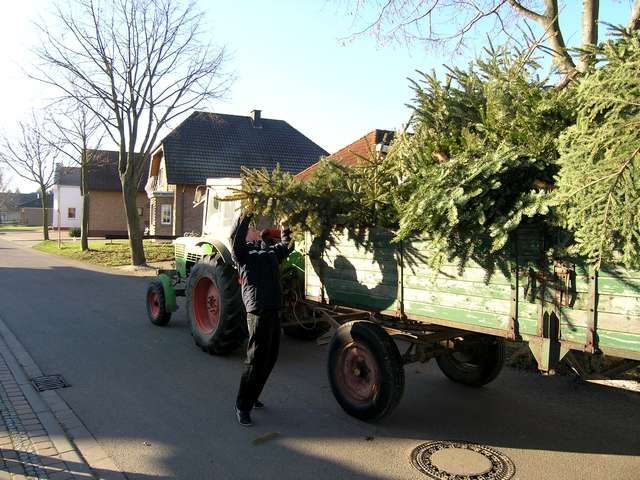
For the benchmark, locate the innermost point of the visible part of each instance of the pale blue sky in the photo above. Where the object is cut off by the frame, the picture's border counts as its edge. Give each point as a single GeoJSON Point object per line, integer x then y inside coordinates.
{"type": "Point", "coordinates": [289, 62]}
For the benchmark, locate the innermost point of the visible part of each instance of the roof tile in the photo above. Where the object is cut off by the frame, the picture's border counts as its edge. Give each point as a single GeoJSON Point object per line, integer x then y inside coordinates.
{"type": "Point", "coordinates": [352, 153]}
{"type": "Point", "coordinates": [209, 145]}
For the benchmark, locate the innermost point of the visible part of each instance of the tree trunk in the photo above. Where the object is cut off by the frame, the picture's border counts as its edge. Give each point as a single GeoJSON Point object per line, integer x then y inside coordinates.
{"type": "Point", "coordinates": [590, 9]}
{"type": "Point", "coordinates": [84, 191]}
{"type": "Point", "coordinates": [84, 228]}
{"type": "Point", "coordinates": [634, 18]}
{"type": "Point", "coordinates": [129, 193]}
{"type": "Point", "coordinates": [551, 24]}
{"type": "Point", "coordinates": [45, 213]}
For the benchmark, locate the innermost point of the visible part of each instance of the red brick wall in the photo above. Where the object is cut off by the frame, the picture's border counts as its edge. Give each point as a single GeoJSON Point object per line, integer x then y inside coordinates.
{"type": "Point", "coordinates": [186, 217]}
{"type": "Point", "coordinates": [156, 227]}
{"type": "Point", "coordinates": [106, 213]}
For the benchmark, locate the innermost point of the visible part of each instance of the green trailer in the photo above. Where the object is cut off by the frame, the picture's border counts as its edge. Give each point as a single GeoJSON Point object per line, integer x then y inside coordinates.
{"type": "Point", "coordinates": [378, 295]}
{"type": "Point", "coordinates": [374, 291]}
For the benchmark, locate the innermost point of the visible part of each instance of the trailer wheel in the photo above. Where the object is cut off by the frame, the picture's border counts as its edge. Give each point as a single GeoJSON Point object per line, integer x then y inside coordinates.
{"type": "Point", "coordinates": [475, 362]}
{"type": "Point", "coordinates": [365, 370]}
{"type": "Point", "coordinates": [214, 306]}
{"type": "Point", "coordinates": [294, 314]}
{"type": "Point", "coordinates": [156, 307]}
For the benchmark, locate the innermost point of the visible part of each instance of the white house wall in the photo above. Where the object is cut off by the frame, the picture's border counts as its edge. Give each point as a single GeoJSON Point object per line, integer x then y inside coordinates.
{"type": "Point", "coordinates": [65, 197]}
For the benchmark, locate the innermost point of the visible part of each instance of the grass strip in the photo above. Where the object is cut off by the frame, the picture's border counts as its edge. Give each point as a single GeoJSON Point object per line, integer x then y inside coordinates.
{"type": "Point", "coordinates": [19, 228]}
{"type": "Point", "coordinates": [109, 253]}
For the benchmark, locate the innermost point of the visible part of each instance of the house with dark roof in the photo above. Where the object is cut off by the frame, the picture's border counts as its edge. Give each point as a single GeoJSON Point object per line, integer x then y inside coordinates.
{"type": "Point", "coordinates": [31, 209]}
{"type": "Point", "coordinates": [23, 208]}
{"type": "Point", "coordinates": [375, 142]}
{"type": "Point", "coordinates": [213, 145]}
{"type": "Point", "coordinates": [9, 201]}
{"type": "Point", "coordinates": [106, 206]}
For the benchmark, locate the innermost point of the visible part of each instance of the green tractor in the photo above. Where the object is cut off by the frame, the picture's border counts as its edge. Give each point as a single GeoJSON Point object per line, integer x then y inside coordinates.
{"type": "Point", "coordinates": [206, 275]}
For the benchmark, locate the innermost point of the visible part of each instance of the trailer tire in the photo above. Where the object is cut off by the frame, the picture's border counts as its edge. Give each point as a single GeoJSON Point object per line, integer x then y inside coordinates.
{"type": "Point", "coordinates": [156, 306]}
{"type": "Point", "coordinates": [216, 313]}
{"type": "Point", "coordinates": [479, 363]}
{"type": "Point", "coordinates": [365, 370]}
{"type": "Point", "coordinates": [310, 331]}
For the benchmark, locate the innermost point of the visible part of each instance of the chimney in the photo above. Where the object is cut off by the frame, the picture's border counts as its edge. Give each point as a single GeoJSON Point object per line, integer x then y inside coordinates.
{"type": "Point", "coordinates": [255, 118]}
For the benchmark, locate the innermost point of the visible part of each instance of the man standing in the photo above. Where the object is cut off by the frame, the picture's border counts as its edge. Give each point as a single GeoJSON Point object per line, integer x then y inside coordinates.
{"type": "Point", "coordinates": [259, 270]}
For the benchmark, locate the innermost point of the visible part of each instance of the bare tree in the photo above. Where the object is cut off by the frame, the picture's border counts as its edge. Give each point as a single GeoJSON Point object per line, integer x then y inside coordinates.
{"type": "Point", "coordinates": [446, 22]}
{"type": "Point", "coordinates": [77, 128]}
{"type": "Point", "coordinates": [31, 156]}
{"type": "Point", "coordinates": [4, 189]}
{"type": "Point", "coordinates": [136, 64]}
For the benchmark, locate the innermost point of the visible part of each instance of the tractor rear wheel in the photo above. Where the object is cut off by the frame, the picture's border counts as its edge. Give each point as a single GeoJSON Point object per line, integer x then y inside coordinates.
{"type": "Point", "coordinates": [214, 306]}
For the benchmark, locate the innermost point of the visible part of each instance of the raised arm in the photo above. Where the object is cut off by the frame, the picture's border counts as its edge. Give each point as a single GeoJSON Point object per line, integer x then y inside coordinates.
{"type": "Point", "coordinates": [239, 238]}
{"type": "Point", "coordinates": [284, 247]}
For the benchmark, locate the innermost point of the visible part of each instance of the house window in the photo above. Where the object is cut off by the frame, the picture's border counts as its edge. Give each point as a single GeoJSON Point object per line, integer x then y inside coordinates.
{"type": "Point", "coordinates": [165, 214]}
{"type": "Point", "coordinates": [140, 211]}
{"type": "Point", "coordinates": [71, 212]}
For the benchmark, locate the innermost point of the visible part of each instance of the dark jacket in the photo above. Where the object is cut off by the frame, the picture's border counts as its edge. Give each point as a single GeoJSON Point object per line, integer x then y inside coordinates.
{"type": "Point", "coordinates": [259, 267]}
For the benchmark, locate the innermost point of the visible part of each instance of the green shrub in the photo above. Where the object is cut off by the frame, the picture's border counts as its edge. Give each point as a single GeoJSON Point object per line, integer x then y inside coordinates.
{"type": "Point", "coordinates": [74, 232]}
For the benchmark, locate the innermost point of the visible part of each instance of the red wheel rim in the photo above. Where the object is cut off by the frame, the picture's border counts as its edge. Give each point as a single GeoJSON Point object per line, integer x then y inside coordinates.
{"type": "Point", "coordinates": [357, 373]}
{"type": "Point", "coordinates": [206, 305]}
{"type": "Point", "coordinates": [153, 300]}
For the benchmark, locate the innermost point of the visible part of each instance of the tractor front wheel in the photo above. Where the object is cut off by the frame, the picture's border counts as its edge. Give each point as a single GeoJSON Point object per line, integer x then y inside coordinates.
{"type": "Point", "coordinates": [156, 307]}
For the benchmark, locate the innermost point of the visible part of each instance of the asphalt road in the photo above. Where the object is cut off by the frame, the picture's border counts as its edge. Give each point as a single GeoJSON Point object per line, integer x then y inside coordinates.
{"type": "Point", "coordinates": [163, 409]}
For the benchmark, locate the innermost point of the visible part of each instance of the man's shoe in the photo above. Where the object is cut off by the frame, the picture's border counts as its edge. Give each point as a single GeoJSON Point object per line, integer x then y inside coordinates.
{"type": "Point", "coordinates": [244, 418]}
{"type": "Point", "coordinates": [258, 404]}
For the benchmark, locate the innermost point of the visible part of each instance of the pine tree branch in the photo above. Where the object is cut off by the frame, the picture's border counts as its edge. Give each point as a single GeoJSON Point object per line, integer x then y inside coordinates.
{"type": "Point", "coordinates": [605, 220]}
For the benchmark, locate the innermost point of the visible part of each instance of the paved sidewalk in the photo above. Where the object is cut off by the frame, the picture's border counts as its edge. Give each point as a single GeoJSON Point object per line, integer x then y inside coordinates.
{"type": "Point", "coordinates": [40, 436]}
{"type": "Point", "coordinates": [26, 444]}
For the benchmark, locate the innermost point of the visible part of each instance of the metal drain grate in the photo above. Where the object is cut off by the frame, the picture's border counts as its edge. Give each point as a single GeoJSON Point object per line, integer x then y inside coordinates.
{"type": "Point", "coordinates": [49, 382]}
{"type": "Point", "coordinates": [443, 460]}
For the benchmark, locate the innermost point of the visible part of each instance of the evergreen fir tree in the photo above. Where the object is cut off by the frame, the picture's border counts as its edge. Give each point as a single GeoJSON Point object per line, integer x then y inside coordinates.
{"type": "Point", "coordinates": [599, 182]}
{"type": "Point", "coordinates": [481, 158]}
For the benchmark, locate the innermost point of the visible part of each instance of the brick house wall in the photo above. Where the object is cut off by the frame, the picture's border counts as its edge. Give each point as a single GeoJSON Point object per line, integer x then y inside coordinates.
{"type": "Point", "coordinates": [186, 217]}
{"type": "Point", "coordinates": [106, 213]}
{"type": "Point", "coordinates": [32, 217]}
{"type": "Point", "coordinates": [155, 214]}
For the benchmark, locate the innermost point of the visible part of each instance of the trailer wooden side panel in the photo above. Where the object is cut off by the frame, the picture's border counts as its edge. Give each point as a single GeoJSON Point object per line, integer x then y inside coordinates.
{"type": "Point", "coordinates": [576, 307]}
{"type": "Point", "coordinates": [615, 318]}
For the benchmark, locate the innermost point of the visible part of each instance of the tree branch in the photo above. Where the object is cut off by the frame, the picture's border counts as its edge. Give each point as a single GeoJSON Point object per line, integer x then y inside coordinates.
{"type": "Point", "coordinates": [530, 14]}
{"type": "Point", "coordinates": [634, 17]}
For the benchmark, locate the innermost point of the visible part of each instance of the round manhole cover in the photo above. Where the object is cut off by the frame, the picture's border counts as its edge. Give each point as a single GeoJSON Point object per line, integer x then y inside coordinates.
{"type": "Point", "coordinates": [460, 460]}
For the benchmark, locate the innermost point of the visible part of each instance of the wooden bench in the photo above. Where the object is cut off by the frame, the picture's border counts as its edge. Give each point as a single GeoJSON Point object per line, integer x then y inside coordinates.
{"type": "Point", "coordinates": [124, 236]}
